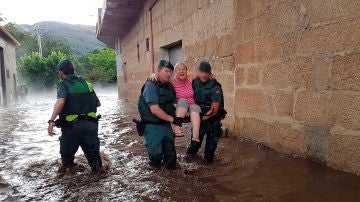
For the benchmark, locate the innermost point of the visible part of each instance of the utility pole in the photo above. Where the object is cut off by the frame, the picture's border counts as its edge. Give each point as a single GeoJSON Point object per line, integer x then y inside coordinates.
{"type": "Point", "coordinates": [38, 35]}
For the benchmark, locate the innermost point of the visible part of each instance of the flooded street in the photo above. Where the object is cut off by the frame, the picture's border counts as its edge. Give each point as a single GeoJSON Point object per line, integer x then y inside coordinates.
{"type": "Point", "coordinates": [242, 171]}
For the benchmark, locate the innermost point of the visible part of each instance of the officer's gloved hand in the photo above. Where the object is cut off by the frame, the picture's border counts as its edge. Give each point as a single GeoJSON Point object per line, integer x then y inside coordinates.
{"type": "Point", "coordinates": [178, 121]}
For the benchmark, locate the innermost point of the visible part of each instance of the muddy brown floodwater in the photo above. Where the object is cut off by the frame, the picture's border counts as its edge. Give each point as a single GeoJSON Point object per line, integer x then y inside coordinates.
{"type": "Point", "coordinates": [242, 172]}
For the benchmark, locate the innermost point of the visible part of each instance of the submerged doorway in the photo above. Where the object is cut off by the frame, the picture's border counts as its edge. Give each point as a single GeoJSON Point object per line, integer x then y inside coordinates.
{"type": "Point", "coordinates": [3, 81]}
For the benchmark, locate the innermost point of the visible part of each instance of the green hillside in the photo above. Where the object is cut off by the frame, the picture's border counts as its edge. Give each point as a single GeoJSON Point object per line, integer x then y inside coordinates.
{"type": "Point", "coordinates": [80, 38]}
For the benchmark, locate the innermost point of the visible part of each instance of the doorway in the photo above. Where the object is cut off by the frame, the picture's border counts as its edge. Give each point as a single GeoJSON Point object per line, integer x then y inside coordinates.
{"type": "Point", "coordinates": [3, 80]}
{"type": "Point", "coordinates": [15, 88]}
{"type": "Point", "coordinates": [173, 52]}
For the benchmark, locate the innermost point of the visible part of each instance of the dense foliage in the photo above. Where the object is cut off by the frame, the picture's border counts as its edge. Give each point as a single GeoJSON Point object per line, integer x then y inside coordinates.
{"type": "Point", "coordinates": [40, 71]}
{"type": "Point", "coordinates": [98, 65]}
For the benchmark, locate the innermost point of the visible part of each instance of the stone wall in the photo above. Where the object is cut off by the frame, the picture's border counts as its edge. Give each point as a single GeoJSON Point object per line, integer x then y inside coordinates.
{"type": "Point", "coordinates": [298, 76]}
{"type": "Point", "coordinates": [10, 65]}
{"type": "Point", "coordinates": [173, 20]}
{"type": "Point", "coordinates": [290, 69]}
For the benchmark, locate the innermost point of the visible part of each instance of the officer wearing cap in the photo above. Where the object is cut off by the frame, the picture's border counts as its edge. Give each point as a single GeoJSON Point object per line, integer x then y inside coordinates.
{"type": "Point", "coordinates": [209, 96]}
{"type": "Point", "coordinates": [157, 110]}
{"type": "Point", "coordinates": [76, 107]}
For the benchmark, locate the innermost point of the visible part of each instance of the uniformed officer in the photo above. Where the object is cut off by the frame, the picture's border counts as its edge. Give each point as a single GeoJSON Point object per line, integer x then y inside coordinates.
{"type": "Point", "coordinates": [76, 107]}
{"type": "Point", "coordinates": [157, 110]}
{"type": "Point", "coordinates": [209, 96]}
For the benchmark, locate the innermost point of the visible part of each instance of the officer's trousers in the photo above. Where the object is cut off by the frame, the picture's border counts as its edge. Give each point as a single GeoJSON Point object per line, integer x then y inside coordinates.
{"type": "Point", "coordinates": [159, 141]}
{"type": "Point", "coordinates": [84, 133]}
{"type": "Point", "coordinates": [212, 130]}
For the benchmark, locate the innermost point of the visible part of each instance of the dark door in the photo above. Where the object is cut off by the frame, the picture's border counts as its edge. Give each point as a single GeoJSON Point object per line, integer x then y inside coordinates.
{"type": "Point", "coordinates": [175, 54]}
{"type": "Point", "coordinates": [2, 74]}
{"type": "Point", "coordinates": [15, 88]}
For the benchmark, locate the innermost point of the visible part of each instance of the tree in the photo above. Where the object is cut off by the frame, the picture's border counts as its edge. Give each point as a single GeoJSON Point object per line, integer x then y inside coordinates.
{"type": "Point", "coordinates": [53, 45]}
{"type": "Point", "coordinates": [98, 65]}
{"type": "Point", "coordinates": [40, 71]}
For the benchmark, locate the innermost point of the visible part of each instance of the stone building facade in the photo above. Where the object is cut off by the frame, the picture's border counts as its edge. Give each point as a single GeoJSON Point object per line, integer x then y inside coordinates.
{"type": "Point", "coordinates": [8, 74]}
{"type": "Point", "coordinates": [290, 69]}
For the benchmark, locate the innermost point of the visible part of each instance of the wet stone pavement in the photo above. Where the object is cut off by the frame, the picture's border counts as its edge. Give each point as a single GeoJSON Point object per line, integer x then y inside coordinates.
{"type": "Point", "coordinates": [242, 172]}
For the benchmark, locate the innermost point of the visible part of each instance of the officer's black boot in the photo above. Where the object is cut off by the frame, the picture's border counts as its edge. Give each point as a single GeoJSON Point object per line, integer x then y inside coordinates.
{"type": "Point", "coordinates": [209, 159]}
{"type": "Point", "coordinates": [169, 165]}
{"type": "Point", "coordinates": [155, 160]}
{"type": "Point", "coordinates": [193, 148]}
{"type": "Point", "coordinates": [95, 164]}
{"type": "Point", "coordinates": [154, 165]}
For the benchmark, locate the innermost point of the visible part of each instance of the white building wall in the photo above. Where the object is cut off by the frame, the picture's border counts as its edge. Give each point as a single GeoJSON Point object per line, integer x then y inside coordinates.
{"type": "Point", "coordinates": [10, 65]}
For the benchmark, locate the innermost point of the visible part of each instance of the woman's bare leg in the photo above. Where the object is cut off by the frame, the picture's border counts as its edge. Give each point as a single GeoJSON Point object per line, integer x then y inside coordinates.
{"type": "Point", "coordinates": [195, 122]}
{"type": "Point", "coordinates": [181, 110]}
{"type": "Point", "coordinates": [195, 111]}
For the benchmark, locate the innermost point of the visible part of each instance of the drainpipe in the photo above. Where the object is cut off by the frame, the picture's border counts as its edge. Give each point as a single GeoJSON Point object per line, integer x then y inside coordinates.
{"type": "Point", "coordinates": [152, 38]}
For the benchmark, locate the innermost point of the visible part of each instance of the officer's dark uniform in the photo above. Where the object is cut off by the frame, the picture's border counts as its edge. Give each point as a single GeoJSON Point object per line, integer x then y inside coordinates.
{"type": "Point", "coordinates": [205, 94]}
{"type": "Point", "coordinates": [158, 134]}
{"type": "Point", "coordinates": [78, 120]}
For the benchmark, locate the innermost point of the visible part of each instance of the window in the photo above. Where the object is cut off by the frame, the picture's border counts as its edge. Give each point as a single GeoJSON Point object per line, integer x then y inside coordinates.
{"type": "Point", "coordinates": [138, 52]}
{"type": "Point", "coordinates": [7, 74]}
{"type": "Point", "coordinates": [147, 44]}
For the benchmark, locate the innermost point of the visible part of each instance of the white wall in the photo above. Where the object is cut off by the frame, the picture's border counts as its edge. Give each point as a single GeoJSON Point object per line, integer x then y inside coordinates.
{"type": "Point", "coordinates": [10, 64]}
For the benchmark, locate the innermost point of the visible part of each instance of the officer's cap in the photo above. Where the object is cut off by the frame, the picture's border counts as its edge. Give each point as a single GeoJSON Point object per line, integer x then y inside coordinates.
{"type": "Point", "coordinates": [205, 66]}
{"type": "Point", "coordinates": [62, 64]}
{"type": "Point", "coordinates": [165, 63]}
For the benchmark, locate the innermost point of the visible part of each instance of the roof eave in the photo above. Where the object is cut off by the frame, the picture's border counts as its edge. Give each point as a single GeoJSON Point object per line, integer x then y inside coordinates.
{"type": "Point", "coordinates": [116, 18]}
{"type": "Point", "coordinates": [10, 37]}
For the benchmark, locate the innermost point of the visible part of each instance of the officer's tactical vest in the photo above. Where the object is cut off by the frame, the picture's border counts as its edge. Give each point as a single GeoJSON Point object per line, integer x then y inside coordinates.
{"type": "Point", "coordinates": [202, 95]}
{"type": "Point", "coordinates": [80, 101]}
{"type": "Point", "coordinates": [167, 98]}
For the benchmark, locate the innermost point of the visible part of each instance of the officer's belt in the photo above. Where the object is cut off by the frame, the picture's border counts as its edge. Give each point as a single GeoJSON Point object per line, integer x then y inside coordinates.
{"type": "Point", "coordinates": [61, 123]}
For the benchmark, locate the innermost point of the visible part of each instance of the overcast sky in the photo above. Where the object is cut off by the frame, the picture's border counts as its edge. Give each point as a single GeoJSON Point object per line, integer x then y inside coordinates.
{"type": "Point", "coordinates": [33, 11]}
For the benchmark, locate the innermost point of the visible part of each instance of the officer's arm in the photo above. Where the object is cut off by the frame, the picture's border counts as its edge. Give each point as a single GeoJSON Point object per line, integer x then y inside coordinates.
{"type": "Point", "coordinates": [216, 98]}
{"type": "Point", "coordinates": [215, 106]}
{"type": "Point", "coordinates": [157, 111]}
{"type": "Point", "coordinates": [98, 101]}
{"type": "Point", "coordinates": [152, 99]}
{"type": "Point", "coordinates": [60, 102]}
{"type": "Point", "coordinates": [59, 105]}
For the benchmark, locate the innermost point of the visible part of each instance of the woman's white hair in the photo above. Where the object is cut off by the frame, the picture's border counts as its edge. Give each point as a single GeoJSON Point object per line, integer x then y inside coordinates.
{"type": "Point", "coordinates": [180, 64]}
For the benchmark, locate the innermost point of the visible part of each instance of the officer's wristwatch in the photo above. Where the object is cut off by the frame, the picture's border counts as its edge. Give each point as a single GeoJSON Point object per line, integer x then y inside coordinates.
{"type": "Point", "coordinates": [51, 121]}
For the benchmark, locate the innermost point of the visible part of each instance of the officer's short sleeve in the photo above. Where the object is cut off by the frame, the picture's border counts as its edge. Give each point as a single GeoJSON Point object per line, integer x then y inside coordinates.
{"type": "Point", "coordinates": [216, 94]}
{"type": "Point", "coordinates": [150, 94]}
{"type": "Point", "coordinates": [61, 91]}
{"type": "Point", "coordinates": [97, 98]}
